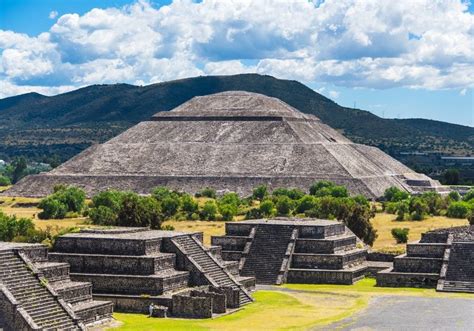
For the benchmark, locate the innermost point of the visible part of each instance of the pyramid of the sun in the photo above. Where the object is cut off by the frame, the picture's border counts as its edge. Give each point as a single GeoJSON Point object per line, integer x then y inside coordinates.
{"type": "Point", "coordinates": [228, 141]}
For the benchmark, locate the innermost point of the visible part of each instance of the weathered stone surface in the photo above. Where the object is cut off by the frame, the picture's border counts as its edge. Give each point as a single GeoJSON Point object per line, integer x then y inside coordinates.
{"type": "Point", "coordinates": [228, 141]}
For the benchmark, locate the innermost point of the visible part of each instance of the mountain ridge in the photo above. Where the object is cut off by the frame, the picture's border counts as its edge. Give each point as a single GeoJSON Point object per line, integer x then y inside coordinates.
{"type": "Point", "coordinates": [36, 126]}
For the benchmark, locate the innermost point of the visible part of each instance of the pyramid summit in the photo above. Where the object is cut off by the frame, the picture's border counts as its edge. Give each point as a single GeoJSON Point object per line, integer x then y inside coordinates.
{"type": "Point", "coordinates": [230, 141]}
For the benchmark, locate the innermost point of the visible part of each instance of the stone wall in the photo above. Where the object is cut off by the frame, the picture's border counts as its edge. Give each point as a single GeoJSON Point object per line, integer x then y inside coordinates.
{"type": "Point", "coordinates": [107, 246]}
{"type": "Point", "coordinates": [410, 264]}
{"type": "Point", "coordinates": [324, 246]}
{"type": "Point", "coordinates": [191, 307]}
{"type": "Point", "coordinates": [313, 276]}
{"type": "Point", "coordinates": [14, 318]}
{"type": "Point", "coordinates": [219, 302]}
{"type": "Point", "coordinates": [426, 250]}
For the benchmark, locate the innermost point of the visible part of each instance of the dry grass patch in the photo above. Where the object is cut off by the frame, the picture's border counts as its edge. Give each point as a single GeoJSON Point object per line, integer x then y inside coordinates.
{"type": "Point", "coordinates": [384, 223]}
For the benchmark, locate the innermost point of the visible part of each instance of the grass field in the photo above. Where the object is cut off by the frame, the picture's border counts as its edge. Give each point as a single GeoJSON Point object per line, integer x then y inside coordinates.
{"type": "Point", "coordinates": [311, 305]}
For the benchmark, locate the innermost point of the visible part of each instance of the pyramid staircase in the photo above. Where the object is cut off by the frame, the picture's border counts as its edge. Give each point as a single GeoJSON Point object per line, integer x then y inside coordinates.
{"type": "Point", "coordinates": [45, 310]}
{"type": "Point", "coordinates": [458, 274]}
{"type": "Point", "coordinates": [264, 261]}
{"type": "Point", "coordinates": [294, 250]}
{"type": "Point", "coordinates": [213, 271]}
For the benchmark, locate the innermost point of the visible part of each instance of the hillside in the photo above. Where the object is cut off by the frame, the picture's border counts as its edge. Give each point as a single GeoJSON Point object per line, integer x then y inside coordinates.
{"type": "Point", "coordinates": [36, 126]}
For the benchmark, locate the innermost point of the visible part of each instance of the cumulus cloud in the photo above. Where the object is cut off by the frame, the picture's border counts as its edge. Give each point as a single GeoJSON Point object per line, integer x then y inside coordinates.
{"type": "Point", "coordinates": [350, 43]}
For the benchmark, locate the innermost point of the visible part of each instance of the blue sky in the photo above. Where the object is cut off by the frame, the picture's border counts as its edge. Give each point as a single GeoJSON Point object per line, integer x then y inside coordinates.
{"type": "Point", "coordinates": [395, 59]}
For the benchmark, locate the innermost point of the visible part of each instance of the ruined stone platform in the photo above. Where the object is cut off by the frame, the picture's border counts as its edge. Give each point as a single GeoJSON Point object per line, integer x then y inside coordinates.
{"type": "Point", "coordinates": [442, 259]}
{"type": "Point", "coordinates": [294, 250]}
{"type": "Point", "coordinates": [133, 267]}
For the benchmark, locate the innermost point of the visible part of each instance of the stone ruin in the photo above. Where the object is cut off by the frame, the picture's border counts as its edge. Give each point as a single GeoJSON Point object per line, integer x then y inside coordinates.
{"type": "Point", "coordinates": [287, 250]}
{"type": "Point", "coordinates": [442, 259]}
{"type": "Point", "coordinates": [124, 269]}
{"type": "Point", "coordinates": [230, 141]}
{"type": "Point", "coordinates": [37, 294]}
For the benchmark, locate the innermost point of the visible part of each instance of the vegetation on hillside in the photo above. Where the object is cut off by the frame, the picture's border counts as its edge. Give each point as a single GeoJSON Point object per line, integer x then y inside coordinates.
{"type": "Point", "coordinates": [41, 127]}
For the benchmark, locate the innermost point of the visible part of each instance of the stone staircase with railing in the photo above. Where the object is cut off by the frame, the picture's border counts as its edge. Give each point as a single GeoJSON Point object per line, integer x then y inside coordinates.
{"type": "Point", "coordinates": [264, 261]}
{"type": "Point", "coordinates": [459, 273]}
{"type": "Point", "coordinates": [209, 266]}
{"type": "Point", "coordinates": [32, 293]}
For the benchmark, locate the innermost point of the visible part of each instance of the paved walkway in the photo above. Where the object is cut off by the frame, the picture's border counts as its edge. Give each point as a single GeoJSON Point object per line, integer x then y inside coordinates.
{"type": "Point", "coordinates": [411, 313]}
{"type": "Point", "coordinates": [403, 313]}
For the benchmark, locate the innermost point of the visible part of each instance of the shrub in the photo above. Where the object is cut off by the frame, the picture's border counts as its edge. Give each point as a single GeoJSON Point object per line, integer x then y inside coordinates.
{"type": "Point", "coordinates": [167, 227]}
{"type": "Point", "coordinates": [111, 199]}
{"type": "Point", "coordinates": [400, 235]}
{"type": "Point", "coordinates": [402, 209]}
{"type": "Point", "coordinates": [293, 194]}
{"type": "Point", "coordinates": [228, 211]}
{"type": "Point", "coordinates": [306, 203]}
{"type": "Point", "coordinates": [434, 201]}
{"type": "Point", "coordinates": [4, 181]}
{"type": "Point", "coordinates": [161, 192]}
{"type": "Point", "coordinates": [230, 199]}
{"type": "Point", "coordinates": [11, 227]}
{"type": "Point", "coordinates": [208, 211]}
{"type": "Point", "coordinates": [207, 193]}
{"type": "Point", "coordinates": [284, 206]}
{"type": "Point", "coordinates": [458, 209]}
{"type": "Point", "coordinates": [267, 208]}
{"type": "Point", "coordinates": [188, 204]}
{"type": "Point", "coordinates": [103, 215]}
{"type": "Point", "coordinates": [469, 195]}
{"type": "Point", "coordinates": [170, 206]}
{"type": "Point", "coordinates": [454, 196]}
{"type": "Point", "coordinates": [139, 211]}
{"type": "Point", "coordinates": [316, 187]}
{"type": "Point", "coordinates": [52, 208]}
{"type": "Point", "coordinates": [357, 220]}
{"type": "Point", "coordinates": [394, 194]}
{"type": "Point", "coordinates": [260, 192]}
{"type": "Point", "coordinates": [253, 214]}
{"type": "Point", "coordinates": [64, 199]}
{"type": "Point", "coordinates": [418, 209]}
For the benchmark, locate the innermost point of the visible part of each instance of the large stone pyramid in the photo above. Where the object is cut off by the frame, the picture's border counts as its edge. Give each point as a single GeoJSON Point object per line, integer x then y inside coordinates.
{"type": "Point", "coordinates": [228, 141]}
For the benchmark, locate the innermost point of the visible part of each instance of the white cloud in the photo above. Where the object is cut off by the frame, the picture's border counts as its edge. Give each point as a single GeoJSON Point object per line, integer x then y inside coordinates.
{"type": "Point", "coordinates": [351, 43]}
{"type": "Point", "coordinates": [53, 14]}
{"type": "Point", "coordinates": [463, 92]}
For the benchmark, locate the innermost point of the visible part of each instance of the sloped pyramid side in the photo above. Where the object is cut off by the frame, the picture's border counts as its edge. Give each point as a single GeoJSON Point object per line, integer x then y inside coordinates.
{"type": "Point", "coordinates": [233, 144]}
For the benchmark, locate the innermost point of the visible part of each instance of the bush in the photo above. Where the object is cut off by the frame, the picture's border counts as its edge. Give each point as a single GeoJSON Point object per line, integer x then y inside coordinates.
{"type": "Point", "coordinates": [394, 194]}
{"type": "Point", "coordinates": [103, 215]}
{"type": "Point", "coordinates": [454, 196]}
{"type": "Point", "coordinates": [284, 206]}
{"type": "Point", "coordinates": [402, 209]}
{"type": "Point", "coordinates": [230, 199]}
{"type": "Point", "coordinates": [267, 208]}
{"type": "Point", "coordinates": [418, 209]}
{"type": "Point", "coordinates": [434, 201]}
{"type": "Point", "coordinates": [111, 199]}
{"type": "Point", "coordinates": [318, 186]}
{"type": "Point", "coordinates": [400, 235]}
{"type": "Point", "coordinates": [52, 208]}
{"type": "Point", "coordinates": [11, 227]}
{"type": "Point", "coordinates": [469, 195]}
{"type": "Point", "coordinates": [4, 181]}
{"type": "Point", "coordinates": [207, 193]}
{"type": "Point", "coordinates": [459, 209]}
{"type": "Point", "coordinates": [64, 199]}
{"type": "Point", "coordinates": [170, 206]}
{"type": "Point", "coordinates": [253, 214]}
{"type": "Point", "coordinates": [139, 211]}
{"type": "Point", "coordinates": [306, 203]}
{"type": "Point", "coordinates": [260, 192]}
{"type": "Point", "coordinates": [189, 205]}
{"type": "Point", "coordinates": [228, 211]}
{"type": "Point", "coordinates": [208, 211]}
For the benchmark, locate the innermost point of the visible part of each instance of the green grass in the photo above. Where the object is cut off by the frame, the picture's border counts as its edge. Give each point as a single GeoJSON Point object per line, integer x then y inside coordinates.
{"type": "Point", "coordinates": [272, 310]}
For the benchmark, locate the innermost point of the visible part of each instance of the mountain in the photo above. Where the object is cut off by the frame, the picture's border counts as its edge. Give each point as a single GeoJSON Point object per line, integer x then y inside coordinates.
{"type": "Point", "coordinates": [37, 126]}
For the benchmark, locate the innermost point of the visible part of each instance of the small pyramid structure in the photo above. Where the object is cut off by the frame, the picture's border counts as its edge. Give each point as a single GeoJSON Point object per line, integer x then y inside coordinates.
{"type": "Point", "coordinates": [230, 141]}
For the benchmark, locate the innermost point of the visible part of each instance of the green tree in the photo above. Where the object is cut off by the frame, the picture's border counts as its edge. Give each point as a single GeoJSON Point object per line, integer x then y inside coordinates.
{"type": "Point", "coordinates": [267, 208]}
{"type": "Point", "coordinates": [103, 215]}
{"type": "Point", "coordinates": [228, 211]}
{"type": "Point", "coordinates": [188, 204]}
{"type": "Point", "coordinates": [19, 169]}
{"type": "Point", "coordinates": [459, 209]}
{"type": "Point", "coordinates": [318, 186]}
{"type": "Point", "coordinates": [111, 199]}
{"type": "Point", "coordinates": [394, 194]}
{"type": "Point", "coordinates": [284, 205]}
{"type": "Point", "coordinates": [52, 208]}
{"type": "Point", "coordinates": [451, 177]}
{"type": "Point", "coordinates": [4, 181]}
{"type": "Point", "coordinates": [207, 193]}
{"type": "Point", "coordinates": [140, 211]}
{"type": "Point", "coordinates": [434, 201]}
{"type": "Point", "coordinates": [306, 203]}
{"type": "Point", "coordinates": [260, 192]}
{"type": "Point", "coordinates": [208, 211]}
{"type": "Point", "coordinates": [418, 209]}
{"type": "Point", "coordinates": [454, 196]}
{"type": "Point", "coordinates": [469, 195]}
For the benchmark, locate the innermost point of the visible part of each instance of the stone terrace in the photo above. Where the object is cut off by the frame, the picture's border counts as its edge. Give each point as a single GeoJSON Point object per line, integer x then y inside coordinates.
{"type": "Point", "coordinates": [442, 259]}
{"type": "Point", "coordinates": [37, 293]}
{"type": "Point", "coordinates": [133, 267]}
{"type": "Point", "coordinates": [294, 251]}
